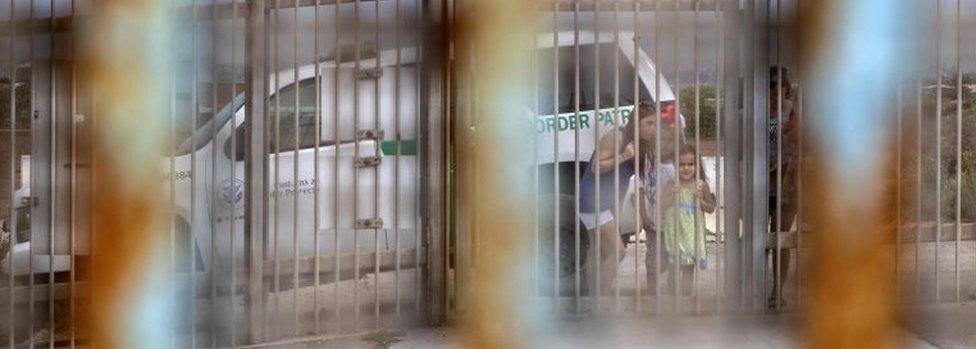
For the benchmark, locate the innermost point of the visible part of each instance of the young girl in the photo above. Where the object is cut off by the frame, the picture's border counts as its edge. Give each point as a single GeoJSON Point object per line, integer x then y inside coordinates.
{"type": "Point", "coordinates": [685, 204]}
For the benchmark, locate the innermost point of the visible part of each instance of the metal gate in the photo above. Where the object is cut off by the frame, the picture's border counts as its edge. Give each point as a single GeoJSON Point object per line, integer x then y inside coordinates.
{"type": "Point", "coordinates": [315, 179]}
{"type": "Point", "coordinates": [291, 173]}
{"type": "Point", "coordinates": [714, 75]}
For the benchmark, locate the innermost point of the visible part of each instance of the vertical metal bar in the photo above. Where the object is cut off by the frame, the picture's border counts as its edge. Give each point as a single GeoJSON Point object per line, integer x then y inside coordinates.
{"type": "Point", "coordinates": [798, 181]}
{"type": "Point", "coordinates": [720, 202]}
{"type": "Point", "coordinates": [677, 149]}
{"type": "Point", "coordinates": [275, 321]}
{"type": "Point", "coordinates": [335, 183]}
{"type": "Point", "coordinates": [958, 142]}
{"type": "Point", "coordinates": [537, 109]}
{"type": "Point", "coordinates": [12, 78]}
{"type": "Point", "coordinates": [212, 275]}
{"type": "Point", "coordinates": [376, 170]}
{"type": "Point", "coordinates": [296, 113]}
{"type": "Point", "coordinates": [172, 187]}
{"type": "Point", "coordinates": [617, 132]}
{"type": "Point", "coordinates": [317, 60]}
{"type": "Point", "coordinates": [918, 187]}
{"type": "Point", "coordinates": [898, 213]}
{"type": "Point", "coordinates": [799, 195]}
{"type": "Point", "coordinates": [657, 161]}
{"type": "Point", "coordinates": [596, 291]}
{"type": "Point", "coordinates": [418, 170]}
{"type": "Point", "coordinates": [555, 152]}
{"type": "Point", "coordinates": [33, 111]}
{"type": "Point", "coordinates": [355, 177]}
{"type": "Point", "coordinates": [74, 188]}
{"type": "Point", "coordinates": [576, 167]}
{"type": "Point", "coordinates": [635, 113]}
{"type": "Point", "coordinates": [938, 143]}
{"type": "Point", "coordinates": [396, 164]}
{"type": "Point", "coordinates": [195, 105]}
{"type": "Point", "coordinates": [698, 175]}
{"type": "Point", "coordinates": [233, 174]}
{"type": "Point", "coordinates": [616, 135]}
{"type": "Point", "coordinates": [256, 57]}
{"type": "Point", "coordinates": [52, 217]}
{"type": "Point", "coordinates": [780, 119]}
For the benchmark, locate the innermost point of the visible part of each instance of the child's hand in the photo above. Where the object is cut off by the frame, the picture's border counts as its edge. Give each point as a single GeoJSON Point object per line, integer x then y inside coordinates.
{"type": "Point", "coordinates": [628, 152]}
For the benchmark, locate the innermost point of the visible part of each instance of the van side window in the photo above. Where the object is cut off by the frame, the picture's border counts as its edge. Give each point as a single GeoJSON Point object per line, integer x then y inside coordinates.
{"type": "Point", "coordinates": [282, 117]}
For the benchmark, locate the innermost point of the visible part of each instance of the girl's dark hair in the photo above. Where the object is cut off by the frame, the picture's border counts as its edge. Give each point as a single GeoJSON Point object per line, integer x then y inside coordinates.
{"type": "Point", "coordinates": [783, 81]}
{"type": "Point", "coordinates": [643, 109]}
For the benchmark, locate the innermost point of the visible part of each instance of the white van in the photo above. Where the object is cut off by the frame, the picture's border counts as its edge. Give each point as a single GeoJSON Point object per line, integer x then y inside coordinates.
{"type": "Point", "coordinates": [219, 198]}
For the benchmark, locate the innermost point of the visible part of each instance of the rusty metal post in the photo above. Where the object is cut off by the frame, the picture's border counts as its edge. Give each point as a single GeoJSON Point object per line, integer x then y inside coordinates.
{"type": "Point", "coordinates": [433, 157]}
{"type": "Point", "coordinates": [850, 200]}
{"type": "Point", "coordinates": [256, 167]}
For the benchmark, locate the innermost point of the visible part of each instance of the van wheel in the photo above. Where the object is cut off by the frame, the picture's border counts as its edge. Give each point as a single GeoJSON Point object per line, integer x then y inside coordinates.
{"type": "Point", "coordinates": [567, 247]}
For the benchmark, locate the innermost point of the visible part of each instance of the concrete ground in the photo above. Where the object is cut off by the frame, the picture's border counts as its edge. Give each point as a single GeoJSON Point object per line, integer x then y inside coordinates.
{"type": "Point", "coordinates": [765, 331]}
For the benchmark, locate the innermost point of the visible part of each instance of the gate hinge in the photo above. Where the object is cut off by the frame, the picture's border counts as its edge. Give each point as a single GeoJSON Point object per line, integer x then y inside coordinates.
{"type": "Point", "coordinates": [368, 223]}
{"type": "Point", "coordinates": [368, 161]}
{"type": "Point", "coordinates": [370, 134]}
{"type": "Point", "coordinates": [369, 73]}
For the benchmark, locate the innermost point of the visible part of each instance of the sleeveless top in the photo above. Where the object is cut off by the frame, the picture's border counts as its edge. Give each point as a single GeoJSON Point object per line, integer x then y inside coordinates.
{"type": "Point", "coordinates": [589, 179]}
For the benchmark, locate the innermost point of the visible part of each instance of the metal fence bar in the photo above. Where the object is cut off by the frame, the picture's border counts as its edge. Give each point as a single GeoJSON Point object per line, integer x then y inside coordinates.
{"type": "Point", "coordinates": [938, 140]}
{"type": "Point", "coordinates": [418, 222]}
{"type": "Point", "coordinates": [778, 226]}
{"type": "Point", "coordinates": [294, 171]}
{"type": "Point", "coordinates": [918, 187]}
{"type": "Point", "coordinates": [12, 78]}
{"type": "Point", "coordinates": [213, 174]}
{"type": "Point", "coordinates": [355, 177]}
{"type": "Point", "coordinates": [30, 249]}
{"type": "Point", "coordinates": [635, 114]}
{"type": "Point", "coordinates": [233, 176]}
{"type": "Point", "coordinates": [376, 172]}
{"type": "Point", "coordinates": [396, 164]}
{"type": "Point", "coordinates": [698, 166]}
{"type": "Point", "coordinates": [678, 136]}
{"type": "Point", "coordinates": [74, 192]}
{"type": "Point", "coordinates": [596, 289]}
{"type": "Point", "coordinates": [898, 208]}
{"type": "Point", "coordinates": [798, 182]}
{"type": "Point", "coordinates": [52, 215]}
{"type": "Point", "coordinates": [657, 161]}
{"type": "Point", "coordinates": [576, 152]}
{"type": "Point", "coordinates": [316, 60]}
{"type": "Point", "coordinates": [616, 153]}
{"type": "Point", "coordinates": [276, 48]}
{"type": "Point", "coordinates": [719, 156]}
{"type": "Point", "coordinates": [335, 184]}
{"type": "Point", "coordinates": [555, 150]}
{"type": "Point", "coordinates": [958, 144]}
{"type": "Point", "coordinates": [195, 110]}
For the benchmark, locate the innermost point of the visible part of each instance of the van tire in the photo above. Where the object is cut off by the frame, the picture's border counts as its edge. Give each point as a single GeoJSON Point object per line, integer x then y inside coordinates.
{"type": "Point", "coordinates": [567, 246]}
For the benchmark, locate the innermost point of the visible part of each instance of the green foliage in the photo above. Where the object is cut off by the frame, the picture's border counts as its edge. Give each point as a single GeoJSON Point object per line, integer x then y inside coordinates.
{"type": "Point", "coordinates": [22, 96]}
{"type": "Point", "coordinates": [705, 111]}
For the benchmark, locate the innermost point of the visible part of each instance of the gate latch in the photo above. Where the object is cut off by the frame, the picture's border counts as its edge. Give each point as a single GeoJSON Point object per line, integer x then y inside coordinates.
{"type": "Point", "coordinates": [370, 134]}
{"type": "Point", "coordinates": [369, 73]}
{"type": "Point", "coordinates": [368, 223]}
{"type": "Point", "coordinates": [368, 161]}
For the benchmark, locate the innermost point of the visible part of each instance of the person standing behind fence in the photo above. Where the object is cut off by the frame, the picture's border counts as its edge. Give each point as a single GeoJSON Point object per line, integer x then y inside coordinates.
{"type": "Point", "coordinates": [685, 203]}
{"type": "Point", "coordinates": [617, 149]}
{"type": "Point", "coordinates": [654, 174]}
{"type": "Point", "coordinates": [783, 157]}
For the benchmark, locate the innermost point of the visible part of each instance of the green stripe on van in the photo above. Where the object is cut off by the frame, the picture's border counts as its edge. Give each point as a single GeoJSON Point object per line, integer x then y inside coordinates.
{"type": "Point", "coordinates": [407, 147]}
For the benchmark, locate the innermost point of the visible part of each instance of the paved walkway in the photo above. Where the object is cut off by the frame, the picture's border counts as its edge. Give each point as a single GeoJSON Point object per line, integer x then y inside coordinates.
{"type": "Point", "coordinates": [768, 331]}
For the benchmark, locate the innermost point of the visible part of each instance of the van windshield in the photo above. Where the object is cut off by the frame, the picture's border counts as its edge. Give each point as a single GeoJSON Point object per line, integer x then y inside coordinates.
{"type": "Point", "coordinates": [565, 69]}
